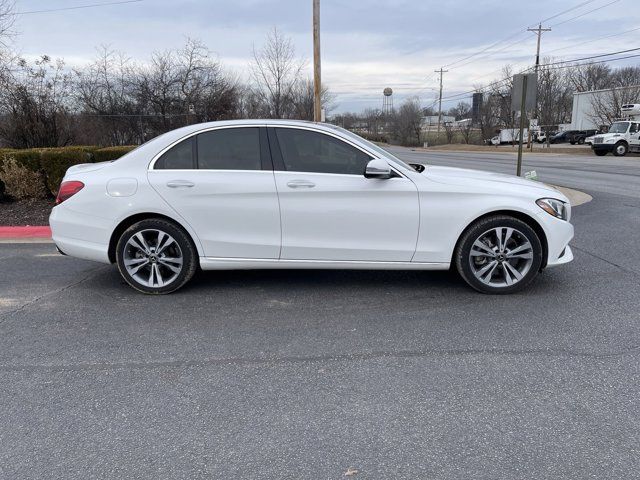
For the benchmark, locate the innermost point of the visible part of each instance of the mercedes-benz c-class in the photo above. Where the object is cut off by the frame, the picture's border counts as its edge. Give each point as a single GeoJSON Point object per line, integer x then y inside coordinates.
{"type": "Point", "coordinates": [256, 194]}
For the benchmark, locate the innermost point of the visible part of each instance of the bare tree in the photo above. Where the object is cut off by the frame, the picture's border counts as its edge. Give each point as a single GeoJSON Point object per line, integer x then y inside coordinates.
{"type": "Point", "coordinates": [303, 96]}
{"type": "Point", "coordinates": [607, 106]}
{"type": "Point", "coordinates": [36, 104]}
{"type": "Point", "coordinates": [590, 77]}
{"type": "Point", "coordinates": [276, 73]}
{"type": "Point", "coordinates": [406, 122]}
{"type": "Point", "coordinates": [7, 19]}
{"type": "Point", "coordinates": [461, 111]}
{"type": "Point", "coordinates": [107, 101]}
{"type": "Point", "coordinates": [449, 131]}
{"type": "Point", "coordinates": [466, 129]}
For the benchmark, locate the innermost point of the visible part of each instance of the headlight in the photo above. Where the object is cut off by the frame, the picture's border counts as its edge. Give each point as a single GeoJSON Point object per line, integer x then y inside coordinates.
{"type": "Point", "coordinates": [554, 207]}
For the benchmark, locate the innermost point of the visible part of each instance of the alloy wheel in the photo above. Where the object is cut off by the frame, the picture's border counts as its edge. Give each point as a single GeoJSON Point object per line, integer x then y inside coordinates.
{"type": "Point", "coordinates": [153, 258]}
{"type": "Point", "coordinates": [501, 257]}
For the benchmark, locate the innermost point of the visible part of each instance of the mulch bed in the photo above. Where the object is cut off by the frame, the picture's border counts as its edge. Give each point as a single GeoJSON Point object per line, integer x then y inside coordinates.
{"type": "Point", "coordinates": [25, 212]}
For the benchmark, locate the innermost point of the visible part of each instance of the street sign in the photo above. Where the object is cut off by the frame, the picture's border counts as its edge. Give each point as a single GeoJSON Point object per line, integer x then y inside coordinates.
{"type": "Point", "coordinates": [531, 93]}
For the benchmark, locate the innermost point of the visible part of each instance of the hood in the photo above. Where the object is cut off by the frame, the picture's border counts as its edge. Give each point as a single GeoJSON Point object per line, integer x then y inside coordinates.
{"type": "Point", "coordinates": [496, 182]}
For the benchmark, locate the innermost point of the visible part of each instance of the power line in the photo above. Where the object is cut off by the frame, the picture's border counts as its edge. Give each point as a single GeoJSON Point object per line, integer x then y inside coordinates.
{"type": "Point", "coordinates": [593, 63]}
{"type": "Point", "coordinates": [563, 64]}
{"type": "Point", "coordinates": [78, 7]}
{"type": "Point", "coordinates": [594, 40]}
{"type": "Point", "coordinates": [592, 57]}
{"type": "Point", "coordinates": [586, 13]}
{"type": "Point", "coordinates": [567, 11]}
{"type": "Point", "coordinates": [486, 49]}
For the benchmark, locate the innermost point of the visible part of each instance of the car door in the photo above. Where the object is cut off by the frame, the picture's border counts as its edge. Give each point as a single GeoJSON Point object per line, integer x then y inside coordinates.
{"type": "Point", "coordinates": [221, 182]}
{"type": "Point", "coordinates": [330, 211]}
{"type": "Point", "coordinates": [634, 137]}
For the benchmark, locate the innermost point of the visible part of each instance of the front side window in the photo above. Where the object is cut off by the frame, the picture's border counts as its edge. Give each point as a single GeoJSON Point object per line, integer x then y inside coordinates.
{"type": "Point", "coordinates": [229, 149]}
{"type": "Point", "coordinates": [308, 151]}
{"type": "Point", "coordinates": [178, 157]}
{"type": "Point", "coordinates": [634, 128]}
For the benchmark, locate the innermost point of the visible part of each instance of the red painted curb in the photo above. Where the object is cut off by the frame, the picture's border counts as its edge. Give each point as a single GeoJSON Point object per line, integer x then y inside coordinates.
{"type": "Point", "coordinates": [25, 232]}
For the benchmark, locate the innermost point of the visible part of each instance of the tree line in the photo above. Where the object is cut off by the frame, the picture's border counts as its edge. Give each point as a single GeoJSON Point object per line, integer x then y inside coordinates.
{"type": "Point", "coordinates": [116, 101]}
{"type": "Point", "coordinates": [556, 87]}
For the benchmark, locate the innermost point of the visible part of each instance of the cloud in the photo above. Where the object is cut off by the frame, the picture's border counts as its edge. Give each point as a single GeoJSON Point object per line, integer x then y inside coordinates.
{"type": "Point", "coordinates": [366, 44]}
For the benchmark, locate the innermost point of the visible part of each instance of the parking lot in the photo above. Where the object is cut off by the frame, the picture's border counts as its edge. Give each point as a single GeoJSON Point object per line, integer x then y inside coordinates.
{"type": "Point", "coordinates": [306, 374]}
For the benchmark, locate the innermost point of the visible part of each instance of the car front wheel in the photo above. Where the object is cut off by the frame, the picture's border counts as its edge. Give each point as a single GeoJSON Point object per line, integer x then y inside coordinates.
{"type": "Point", "coordinates": [156, 256]}
{"type": "Point", "coordinates": [499, 254]}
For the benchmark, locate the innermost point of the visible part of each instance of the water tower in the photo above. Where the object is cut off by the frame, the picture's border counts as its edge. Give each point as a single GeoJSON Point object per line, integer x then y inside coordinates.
{"type": "Point", "coordinates": [387, 101]}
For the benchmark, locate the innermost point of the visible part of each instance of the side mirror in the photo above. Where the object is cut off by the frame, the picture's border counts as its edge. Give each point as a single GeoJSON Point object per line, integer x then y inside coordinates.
{"type": "Point", "coordinates": [377, 168]}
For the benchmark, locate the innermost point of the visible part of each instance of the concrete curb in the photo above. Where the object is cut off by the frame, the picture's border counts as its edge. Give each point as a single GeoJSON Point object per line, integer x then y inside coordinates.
{"type": "Point", "coordinates": [25, 234]}
{"type": "Point", "coordinates": [576, 197]}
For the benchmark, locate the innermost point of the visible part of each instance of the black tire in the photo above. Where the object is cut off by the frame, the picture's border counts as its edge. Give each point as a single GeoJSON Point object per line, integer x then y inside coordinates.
{"type": "Point", "coordinates": [620, 149]}
{"type": "Point", "coordinates": [600, 153]}
{"type": "Point", "coordinates": [182, 247]}
{"type": "Point", "coordinates": [463, 259]}
{"type": "Point", "coordinates": [581, 141]}
{"type": "Point", "coordinates": [572, 142]}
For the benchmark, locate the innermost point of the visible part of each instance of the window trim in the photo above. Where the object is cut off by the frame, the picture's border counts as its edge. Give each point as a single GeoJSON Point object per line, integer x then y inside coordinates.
{"type": "Point", "coordinates": [266, 163]}
{"type": "Point", "coordinates": [278, 161]}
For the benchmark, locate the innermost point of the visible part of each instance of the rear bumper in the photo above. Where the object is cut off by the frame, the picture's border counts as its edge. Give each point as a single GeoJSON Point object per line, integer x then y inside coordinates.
{"type": "Point", "coordinates": [67, 226]}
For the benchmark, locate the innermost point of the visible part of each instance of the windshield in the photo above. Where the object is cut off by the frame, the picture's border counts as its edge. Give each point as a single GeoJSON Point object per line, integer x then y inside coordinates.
{"type": "Point", "coordinates": [371, 145]}
{"type": "Point", "coordinates": [619, 127]}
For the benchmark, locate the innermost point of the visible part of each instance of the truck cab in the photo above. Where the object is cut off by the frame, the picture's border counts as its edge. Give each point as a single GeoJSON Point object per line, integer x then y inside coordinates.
{"type": "Point", "coordinates": [623, 136]}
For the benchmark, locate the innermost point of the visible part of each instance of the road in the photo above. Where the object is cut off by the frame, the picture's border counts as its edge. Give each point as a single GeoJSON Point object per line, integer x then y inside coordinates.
{"type": "Point", "coordinates": [609, 174]}
{"type": "Point", "coordinates": [306, 374]}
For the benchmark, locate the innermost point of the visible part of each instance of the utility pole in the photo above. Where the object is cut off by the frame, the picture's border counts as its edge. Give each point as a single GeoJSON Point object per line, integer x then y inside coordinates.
{"type": "Point", "coordinates": [538, 32]}
{"type": "Point", "coordinates": [317, 85]}
{"type": "Point", "coordinates": [441, 71]}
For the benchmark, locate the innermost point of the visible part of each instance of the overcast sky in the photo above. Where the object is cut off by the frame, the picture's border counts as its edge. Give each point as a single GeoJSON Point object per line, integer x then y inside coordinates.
{"type": "Point", "coordinates": [366, 44]}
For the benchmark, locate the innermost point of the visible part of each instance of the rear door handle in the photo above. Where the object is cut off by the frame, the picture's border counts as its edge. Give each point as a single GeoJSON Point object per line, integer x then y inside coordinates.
{"type": "Point", "coordinates": [180, 184]}
{"type": "Point", "coordinates": [300, 184]}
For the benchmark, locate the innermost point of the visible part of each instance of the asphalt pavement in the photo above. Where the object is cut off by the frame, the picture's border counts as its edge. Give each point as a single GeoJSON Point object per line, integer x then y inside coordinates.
{"type": "Point", "coordinates": [307, 374]}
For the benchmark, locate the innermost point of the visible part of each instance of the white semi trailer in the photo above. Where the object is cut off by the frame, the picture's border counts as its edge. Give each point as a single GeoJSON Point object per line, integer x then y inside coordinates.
{"type": "Point", "coordinates": [623, 136]}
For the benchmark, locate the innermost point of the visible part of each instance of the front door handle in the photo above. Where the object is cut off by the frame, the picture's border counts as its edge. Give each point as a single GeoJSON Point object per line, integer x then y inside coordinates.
{"type": "Point", "coordinates": [180, 184]}
{"type": "Point", "coordinates": [300, 184]}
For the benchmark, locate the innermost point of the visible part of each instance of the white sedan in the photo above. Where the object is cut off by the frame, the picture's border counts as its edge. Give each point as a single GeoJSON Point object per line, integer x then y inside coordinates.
{"type": "Point", "coordinates": [287, 194]}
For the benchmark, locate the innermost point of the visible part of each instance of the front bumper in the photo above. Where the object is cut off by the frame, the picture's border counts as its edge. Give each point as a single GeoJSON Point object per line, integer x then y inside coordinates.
{"type": "Point", "coordinates": [603, 147]}
{"type": "Point", "coordinates": [559, 233]}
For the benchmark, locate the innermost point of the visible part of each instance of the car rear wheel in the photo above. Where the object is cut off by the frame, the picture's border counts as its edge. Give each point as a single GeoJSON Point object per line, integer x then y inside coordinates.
{"type": "Point", "coordinates": [581, 141]}
{"type": "Point", "coordinates": [499, 254]}
{"type": "Point", "coordinates": [620, 149]}
{"type": "Point", "coordinates": [156, 256]}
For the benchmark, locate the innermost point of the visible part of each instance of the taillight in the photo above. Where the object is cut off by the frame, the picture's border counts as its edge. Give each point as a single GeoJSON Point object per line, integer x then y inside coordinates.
{"type": "Point", "coordinates": [68, 190]}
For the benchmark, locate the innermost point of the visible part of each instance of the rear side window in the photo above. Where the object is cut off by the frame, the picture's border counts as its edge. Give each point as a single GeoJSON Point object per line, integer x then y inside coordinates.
{"type": "Point", "coordinates": [308, 151]}
{"type": "Point", "coordinates": [229, 149]}
{"type": "Point", "coordinates": [178, 157]}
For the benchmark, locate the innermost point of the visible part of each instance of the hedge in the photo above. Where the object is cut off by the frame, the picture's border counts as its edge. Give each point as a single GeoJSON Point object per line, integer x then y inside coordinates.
{"type": "Point", "coordinates": [52, 163]}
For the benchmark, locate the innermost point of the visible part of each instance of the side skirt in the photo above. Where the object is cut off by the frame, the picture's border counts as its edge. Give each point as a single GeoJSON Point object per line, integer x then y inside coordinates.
{"type": "Point", "coordinates": [213, 263]}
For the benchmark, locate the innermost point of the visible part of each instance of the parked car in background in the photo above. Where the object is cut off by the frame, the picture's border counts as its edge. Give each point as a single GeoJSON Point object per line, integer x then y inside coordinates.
{"type": "Point", "coordinates": [252, 194]}
{"type": "Point", "coordinates": [580, 136]}
{"type": "Point", "coordinates": [561, 137]}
